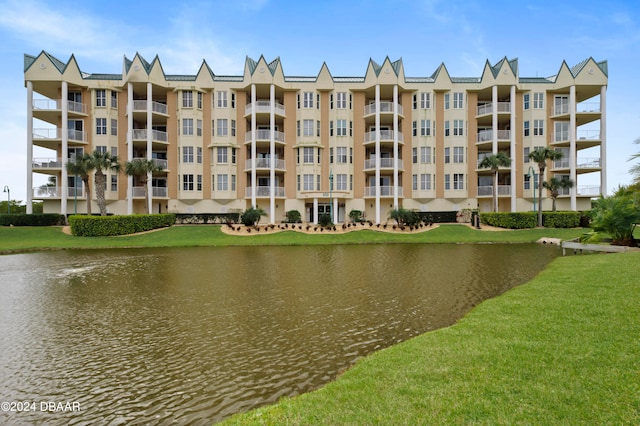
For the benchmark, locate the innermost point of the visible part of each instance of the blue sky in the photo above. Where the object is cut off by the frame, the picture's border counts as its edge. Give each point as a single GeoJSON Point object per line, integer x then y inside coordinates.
{"type": "Point", "coordinates": [345, 34]}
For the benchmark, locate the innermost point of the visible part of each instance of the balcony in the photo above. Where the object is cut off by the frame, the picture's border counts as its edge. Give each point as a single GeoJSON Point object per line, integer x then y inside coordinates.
{"type": "Point", "coordinates": [385, 191]}
{"type": "Point", "coordinates": [46, 163]}
{"type": "Point", "coordinates": [487, 191]}
{"type": "Point", "coordinates": [53, 192]}
{"type": "Point", "coordinates": [385, 163]}
{"type": "Point", "coordinates": [55, 134]}
{"type": "Point", "coordinates": [156, 135]}
{"type": "Point", "coordinates": [161, 163]}
{"type": "Point", "coordinates": [264, 107]}
{"type": "Point", "coordinates": [156, 107]}
{"type": "Point", "coordinates": [156, 192]}
{"type": "Point", "coordinates": [265, 192]}
{"type": "Point", "coordinates": [592, 163]}
{"type": "Point", "coordinates": [486, 109]}
{"type": "Point", "coordinates": [386, 136]}
{"type": "Point", "coordinates": [264, 136]}
{"type": "Point", "coordinates": [386, 107]}
{"type": "Point", "coordinates": [486, 136]}
{"type": "Point", "coordinates": [265, 163]}
{"type": "Point", "coordinates": [44, 105]}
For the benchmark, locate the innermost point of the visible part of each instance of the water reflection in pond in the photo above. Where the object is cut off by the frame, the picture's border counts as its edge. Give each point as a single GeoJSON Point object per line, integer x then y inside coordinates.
{"type": "Point", "coordinates": [191, 336]}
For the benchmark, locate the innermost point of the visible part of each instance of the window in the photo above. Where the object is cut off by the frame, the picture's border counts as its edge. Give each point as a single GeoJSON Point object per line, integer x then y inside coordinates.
{"type": "Point", "coordinates": [233, 156]}
{"type": "Point", "coordinates": [458, 154]}
{"type": "Point", "coordinates": [187, 99]}
{"type": "Point", "coordinates": [538, 100]}
{"type": "Point", "coordinates": [114, 99]}
{"type": "Point", "coordinates": [425, 100]}
{"type": "Point", "coordinates": [341, 182]}
{"type": "Point", "coordinates": [561, 105]}
{"type": "Point", "coordinates": [233, 182]}
{"type": "Point", "coordinates": [114, 127]}
{"type": "Point", "coordinates": [101, 98]}
{"type": "Point", "coordinates": [101, 126]}
{"type": "Point", "coordinates": [458, 100]}
{"type": "Point", "coordinates": [425, 182]}
{"type": "Point", "coordinates": [307, 155]}
{"type": "Point", "coordinates": [199, 155]}
{"type": "Point", "coordinates": [527, 181]}
{"type": "Point", "coordinates": [187, 126]}
{"type": "Point", "coordinates": [425, 154]}
{"type": "Point", "coordinates": [187, 155]}
{"type": "Point", "coordinates": [538, 127]}
{"type": "Point", "coordinates": [199, 127]}
{"type": "Point", "coordinates": [447, 155]}
{"type": "Point", "coordinates": [526, 152]}
{"type": "Point", "coordinates": [308, 127]}
{"type": "Point", "coordinates": [222, 98]}
{"type": "Point", "coordinates": [114, 183]}
{"type": "Point", "coordinates": [447, 98]}
{"type": "Point", "coordinates": [425, 127]}
{"type": "Point", "coordinates": [102, 149]}
{"type": "Point", "coordinates": [222, 154]}
{"type": "Point", "coordinates": [562, 131]}
{"type": "Point", "coordinates": [458, 125]}
{"type": "Point", "coordinates": [526, 128]}
{"type": "Point", "coordinates": [221, 127]}
{"type": "Point", "coordinates": [199, 100]}
{"type": "Point", "coordinates": [446, 128]}
{"type": "Point", "coordinates": [308, 100]}
{"type": "Point", "coordinates": [187, 182]}
{"type": "Point", "coordinates": [447, 182]}
{"type": "Point", "coordinates": [318, 183]}
{"type": "Point", "coordinates": [114, 151]}
{"type": "Point", "coordinates": [318, 128]}
{"type": "Point", "coordinates": [415, 101]}
{"type": "Point", "coordinates": [199, 183]}
{"type": "Point", "coordinates": [526, 99]}
{"type": "Point", "coordinates": [331, 155]}
{"type": "Point", "coordinates": [233, 102]}
{"type": "Point", "coordinates": [341, 153]}
{"type": "Point", "coordinates": [341, 127]}
{"type": "Point", "coordinates": [233, 127]}
{"type": "Point", "coordinates": [342, 100]}
{"type": "Point", "coordinates": [458, 181]}
{"type": "Point", "coordinates": [307, 182]}
{"type": "Point", "coordinates": [414, 128]}
{"type": "Point", "coordinates": [414, 155]}
{"type": "Point", "coordinates": [414, 182]}
{"type": "Point", "coordinates": [223, 183]}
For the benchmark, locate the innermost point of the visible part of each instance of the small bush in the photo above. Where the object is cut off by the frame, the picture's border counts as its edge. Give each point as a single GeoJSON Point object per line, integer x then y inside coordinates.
{"type": "Point", "coordinates": [355, 216]}
{"type": "Point", "coordinates": [23, 219]}
{"type": "Point", "coordinates": [252, 216]}
{"type": "Point", "coordinates": [324, 220]}
{"type": "Point", "coordinates": [104, 226]}
{"type": "Point", "coordinates": [521, 220]}
{"type": "Point", "coordinates": [561, 219]}
{"type": "Point", "coordinates": [294, 216]}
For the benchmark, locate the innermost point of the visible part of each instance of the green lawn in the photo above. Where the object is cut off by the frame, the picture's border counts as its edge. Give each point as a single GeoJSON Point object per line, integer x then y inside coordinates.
{"type": "Point", "coordinates": [14, 239]}
{"type": "Point", "coordinates": [563, 349]}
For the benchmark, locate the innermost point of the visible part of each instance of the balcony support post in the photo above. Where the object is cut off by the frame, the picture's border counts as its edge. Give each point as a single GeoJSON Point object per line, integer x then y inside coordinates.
{"type": "Point", "coordinates": [512, 140]}
{"type": "Point", "coordinates": [272, 155]}
{"type": "Point", "coordinates": [149, 144]}
{"type": "Point", "coordinates": [129, 145]}
{"type": "Point", "coordinates": [572, 145]}
{"type": "Point", "coordinates": [315, 211]}
{"type": "Point", "coordinates": [64, 185]}
{"type": "Point", "coordinates": [395, 146]}
{"type": "Point", "coordinates": [377, 174]}
{"type": "Point", "coordinates": [253, 147]}
{"type": "Point", "coordinates": [494, 120]}
{"type": "Point", "coordinates": [603, 141]}
{"type": "Point", "coordinates": [30, 147]}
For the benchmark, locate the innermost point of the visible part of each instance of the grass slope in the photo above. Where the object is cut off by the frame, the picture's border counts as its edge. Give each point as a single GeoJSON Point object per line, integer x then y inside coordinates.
{"type": "Point", "coordinates": [562, 349]}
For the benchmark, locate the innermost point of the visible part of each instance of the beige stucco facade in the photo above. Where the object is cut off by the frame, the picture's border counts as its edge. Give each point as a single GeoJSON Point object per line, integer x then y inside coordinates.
{"type": "Point", "coordinates": [261, 138]}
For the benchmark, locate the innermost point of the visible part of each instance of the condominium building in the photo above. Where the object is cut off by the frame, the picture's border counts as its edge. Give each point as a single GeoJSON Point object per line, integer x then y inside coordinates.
{"type": "Point", "coordinates": [261, 138]}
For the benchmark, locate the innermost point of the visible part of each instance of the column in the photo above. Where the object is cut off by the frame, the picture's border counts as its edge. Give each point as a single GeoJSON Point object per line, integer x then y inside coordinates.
{"type": "Point", "coordinates": [377, 154]}
{"type": "Point", "coordinates": [129, 146]}
{"type": "Point", "coordinates": [30, 148]}
{"type": "Point", "coordinates": [334, 209]}
{"type": "Point", "coordinates": [149, 144]}
{"type": "Point", "coordinates": [572, 145]}
{"type": "Point", "coordinates": [315, 211]}
{"type": "Point", "coordinates": [603, 141]}
{"type": "Point", "coordinates": [64, 187]}
{"type": "Point", "coordinates": [512, 140]}
{"type": "Point", "coordinates": [395, 146]}
{"type": "Point", "coordinates": [253, 146]}
{"type": "Point", "coordinates": [494, 121]}
{"type": "Point", "coordinates": [272, 154]}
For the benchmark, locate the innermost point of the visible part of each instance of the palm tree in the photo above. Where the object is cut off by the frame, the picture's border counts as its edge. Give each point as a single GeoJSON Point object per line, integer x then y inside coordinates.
{"type": "Point", "coordinates": [494, 162]}
{"type": "Point", "coordinates": [554, 185]}
{"type": "Point", "coordinates": [141, 168]}
{"type": "Point", "coordinates": [103, 161]}
{"type": "Point", "coordinates": [540, 156]}
{"type": "Point", "coordinates": [635, 169]}
{"type": "Point", "coordinates": [82, 166]}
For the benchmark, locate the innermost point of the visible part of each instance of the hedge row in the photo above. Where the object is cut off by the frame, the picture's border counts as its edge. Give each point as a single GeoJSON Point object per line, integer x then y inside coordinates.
{"type": "Point", "coordinates": [206, 218]}
{"type": "Point", "coordinates": [21, 219]}
{"type": "Point", "coordinates": [524, 220]}
{"type": "Point", "coordinates": [103, 226]}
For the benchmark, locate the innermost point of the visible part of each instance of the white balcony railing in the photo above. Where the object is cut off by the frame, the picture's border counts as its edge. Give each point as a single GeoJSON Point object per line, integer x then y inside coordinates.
{"type": "Point", "coordinates": [265, 163]}
{"type": "Point", "coordinates": [385, 135]}
{"type": "Point", "coordinates": [163, 164]}
{"type": "Point", "coordinates": [156, 192]}
{"type": "Point", "coordinates": [156, 135]}
{"type": "Point", "coordinates": [593, 107]}
{"type": "Point", "coordinates": [264, 107]}
{"type": "Point", "coordinates": [46, 104]}
{"type": "Point", "coordinates": [487, 191]}
{"type": "Point", "coordinates": [385, 107]}
{"type": "Point", "coordinates": [503, 107]}
{"type": "Point", "coordinates": [588, 163]}
{"type": "Point", "coordinates": [582, 134]}
{"type": "Point", "coordinates": [46, 163]}
{"type": "Point", "coordinates": [265, 191]}
{"type": "Point", "coordinates": [49, 192]}
{"type": "Point", "coordinates": [385, 191]}
{"type": "Point", "coordinates": [141, 106]}
{"type": "Point", "coordinates": [77, 107]}
{"type": "Point", "coordinates": [487, 135]}
{"type": "Point", "coordinates": [384, 163]}
{"type": "Point", "coordinates": [56, 133]}
{"type": "Point", "coordinates": [264, 135]}
{"type": "Point", "coordinates": [588, 191]}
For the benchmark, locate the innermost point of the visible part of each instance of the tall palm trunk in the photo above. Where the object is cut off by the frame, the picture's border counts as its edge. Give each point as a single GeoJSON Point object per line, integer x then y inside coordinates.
{"type": "Point", "coordinates": [100, 185]}
{"type": "Point", "coordinates": [495, 190]}
{"type": "Point", "coordinates": [541, 166]}
{"type": "Point", "coordinates": [85, 180]}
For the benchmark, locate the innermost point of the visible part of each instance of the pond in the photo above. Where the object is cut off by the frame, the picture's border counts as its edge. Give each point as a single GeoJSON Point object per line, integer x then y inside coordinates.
{"type": "Point", "coordinates": [193, 335]}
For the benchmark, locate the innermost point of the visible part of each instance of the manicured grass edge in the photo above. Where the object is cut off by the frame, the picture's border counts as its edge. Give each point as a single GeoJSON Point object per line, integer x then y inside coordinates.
{"type": "Point", "coordinates": [561, 349]}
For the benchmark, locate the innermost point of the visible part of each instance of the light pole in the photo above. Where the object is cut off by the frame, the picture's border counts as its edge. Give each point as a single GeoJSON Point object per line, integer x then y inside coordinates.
{"type": "Point", "coordinates": [331, 194]}
{"type": "Point", "coordinates": [6, 189]}
{"type": "Point", "coordinates": [532, 178]}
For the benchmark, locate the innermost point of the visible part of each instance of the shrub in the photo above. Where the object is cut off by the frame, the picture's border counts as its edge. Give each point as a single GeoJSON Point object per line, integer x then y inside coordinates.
{"type": "Point", "coordinates": [294, 216]}
{"type": "Point", "coordinates": [561, 219]}
{"type": "Point", "coordinates": [252, 216]}
{"type": "Point", "coordinates": [104, 226]}
{"type": "Point", "coordinates": [508, 220]}
{"type": "Point", "coordinates": [355, 216]}
{"type": "Point", "coordinates": [405, 217]}
{"type": "Point", "coordinates": [324, 220]}
{"type": "Point", "coordinates": [206, 218]}
{"type": "Point", "coordinates": [23, 219]}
